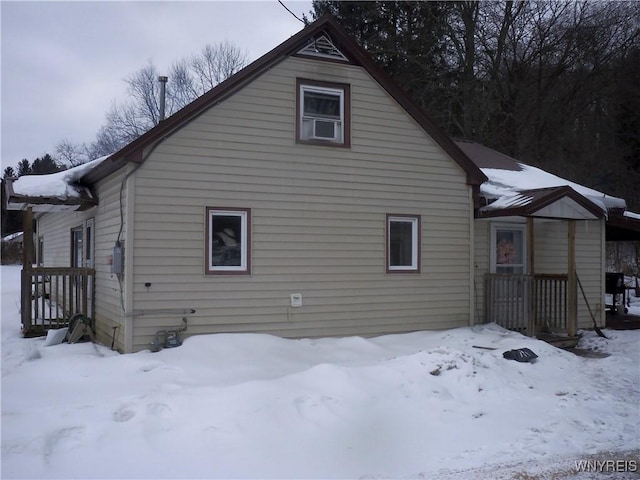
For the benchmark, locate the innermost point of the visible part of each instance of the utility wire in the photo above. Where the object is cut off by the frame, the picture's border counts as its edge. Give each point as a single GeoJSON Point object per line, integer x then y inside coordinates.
{"type": "Point", "coordinates": [287, 9]}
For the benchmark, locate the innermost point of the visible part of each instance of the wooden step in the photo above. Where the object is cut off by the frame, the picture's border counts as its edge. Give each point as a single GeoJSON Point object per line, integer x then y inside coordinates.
{"type": "Point", "coordinates": [559, 340]}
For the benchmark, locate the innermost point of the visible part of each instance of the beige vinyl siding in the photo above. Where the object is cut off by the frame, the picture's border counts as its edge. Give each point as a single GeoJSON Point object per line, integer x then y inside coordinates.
{"type": "Point", "coordinates": [56, 230]}
{"type": "Point", "coordinates": [317, 218]}
{"type": "Point", "coordinates": [108, 289]}
{"type": "Point", "coordinates": [551, 257]}
{"type": "Point", "coordinates": [551, 246]}
{"type": "Point", "coordinates": [590, 267]}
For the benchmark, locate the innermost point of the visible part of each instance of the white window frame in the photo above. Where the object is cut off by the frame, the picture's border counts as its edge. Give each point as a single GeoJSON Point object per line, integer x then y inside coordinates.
{"type": "Point", "coordinates": [77, 247]}
{"type": "Point", "coordinates": [414, 221]}
{"type": "Point", "coordinates": [514, 227]}
{"type": "Point", "coordinates": [245, 239]}
{"type": "Point", "coordinates": [340, 91]}
{"type": "Point", "coordinates": [40, 251]}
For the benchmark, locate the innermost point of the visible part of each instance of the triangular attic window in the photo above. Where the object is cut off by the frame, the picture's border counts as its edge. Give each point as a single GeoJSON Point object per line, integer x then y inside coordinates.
{"type": "Point", "coordinates": [323, 47]}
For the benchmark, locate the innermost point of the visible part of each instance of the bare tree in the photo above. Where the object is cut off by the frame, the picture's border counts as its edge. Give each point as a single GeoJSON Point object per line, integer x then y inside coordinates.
{"type": "Point", "coordinates": [215, 64]}
{"type": "Point", "coordinates": [188, 79]}
{"type": "Point", "coordinates": [70, 154]}
{"type": "Point", "coordinates": [182, 87]}
{"type": "Point", "coordinates": [551, 82]}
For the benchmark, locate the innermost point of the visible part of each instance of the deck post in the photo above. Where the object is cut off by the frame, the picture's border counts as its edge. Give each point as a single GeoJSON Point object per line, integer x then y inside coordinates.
{"type": "Point", "coordinates": [572, 292]}
{"type": "Point", "coordinates": [27, 238]}
{"type": "Point", "coordinates": [27, 257]}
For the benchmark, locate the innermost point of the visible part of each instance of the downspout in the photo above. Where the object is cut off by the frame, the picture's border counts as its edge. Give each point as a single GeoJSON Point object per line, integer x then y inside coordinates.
{"type": "Point", "coordinates": [126, 290]}
{"type": "Point", "coordinates": [127, 299]}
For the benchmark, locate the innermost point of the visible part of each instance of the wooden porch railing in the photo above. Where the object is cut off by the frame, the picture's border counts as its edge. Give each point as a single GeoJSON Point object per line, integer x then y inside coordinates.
{"type": "Point", "coordinates": [51, 296]}
{"type": "Point", "coordinates": [527, 303]}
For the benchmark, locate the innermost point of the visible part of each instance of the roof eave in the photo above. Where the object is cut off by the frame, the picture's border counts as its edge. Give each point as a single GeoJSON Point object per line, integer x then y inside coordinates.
{"type": "Point", "coordinates": [49, 204]}
{"type": "Point", "coordinates": [622, 228]}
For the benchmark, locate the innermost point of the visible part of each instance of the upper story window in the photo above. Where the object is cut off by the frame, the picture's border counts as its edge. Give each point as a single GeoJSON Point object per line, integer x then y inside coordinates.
{"type": "Point", "coordinates": [323, 113]}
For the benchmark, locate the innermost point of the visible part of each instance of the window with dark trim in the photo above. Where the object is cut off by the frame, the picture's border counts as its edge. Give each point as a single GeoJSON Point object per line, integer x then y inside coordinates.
{"type": "Point", "coordinates": [228, 241]}
{"type": "Point", "coordinates": [323, 113]}
{"type": "Point", "coordinates": [403, 243]}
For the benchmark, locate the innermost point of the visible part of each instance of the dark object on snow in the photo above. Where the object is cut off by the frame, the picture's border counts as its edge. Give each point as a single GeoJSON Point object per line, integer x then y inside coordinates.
{"type": "Point", "coordinates": [595, 326]}
{"type": "Point", "coordinates": [520, 355]}
{"type": "Point", "coordinates": [79, 329]}
{"type": "Point", "coordinates": [483, 348]}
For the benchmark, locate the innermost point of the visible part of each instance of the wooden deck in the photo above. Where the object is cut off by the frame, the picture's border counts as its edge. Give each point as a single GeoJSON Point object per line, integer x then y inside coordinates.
{"type": "Point", "coordinates": [51, 296]}
{"type": "Point", "coordinates": [623, 322]}
{"type": "Point", "coordinates": [529, 304]}
{"type": "Point", "coordinates": [561, 341]}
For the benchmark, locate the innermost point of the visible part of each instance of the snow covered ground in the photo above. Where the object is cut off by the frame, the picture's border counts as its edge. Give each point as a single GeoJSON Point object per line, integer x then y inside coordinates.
{"type": "Point", "coordinates": [421, 405]}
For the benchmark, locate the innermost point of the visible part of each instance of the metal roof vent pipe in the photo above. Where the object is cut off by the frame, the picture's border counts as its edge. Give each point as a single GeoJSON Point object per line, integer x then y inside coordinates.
{"type": "Point", "coordinates": [163, 95]}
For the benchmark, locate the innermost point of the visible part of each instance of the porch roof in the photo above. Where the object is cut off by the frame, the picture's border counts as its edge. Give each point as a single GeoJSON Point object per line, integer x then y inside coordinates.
{"type": "Point", "coordinates": [625, 227]}
{"type": "Point", "coordinates": [55, 192]}
{"type": "Point", "coordinates": [554, 202]}
{"type": "Point", "coordinates": [515, 188]}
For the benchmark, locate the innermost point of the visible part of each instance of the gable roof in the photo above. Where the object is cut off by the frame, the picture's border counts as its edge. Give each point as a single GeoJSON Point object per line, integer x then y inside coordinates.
{"type": "Point", "coordinates": [552, 202]}
{"type": "Point", "coordinates": [515, 188]}
{"type": "Point", "coordinates": [334, 44]}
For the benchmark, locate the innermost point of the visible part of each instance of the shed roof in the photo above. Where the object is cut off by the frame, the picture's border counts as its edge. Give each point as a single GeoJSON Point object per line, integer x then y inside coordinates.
{"type": "Point", "coordinates": [515, 188]}
{"type": "Point", "coordinates": [58, 191]}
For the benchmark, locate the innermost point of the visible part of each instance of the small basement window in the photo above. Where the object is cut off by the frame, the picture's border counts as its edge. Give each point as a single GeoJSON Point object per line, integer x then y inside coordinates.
{"type": "Point", "coordinates": [403, 243]}
{"type": "Point", "coordinates": [228, 240]}
{"type": "Point", "coordinates": [323, 113]}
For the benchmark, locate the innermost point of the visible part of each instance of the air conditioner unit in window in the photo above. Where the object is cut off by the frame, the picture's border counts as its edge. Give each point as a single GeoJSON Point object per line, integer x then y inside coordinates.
{"type": "Point", "coordinates": [325, 129]}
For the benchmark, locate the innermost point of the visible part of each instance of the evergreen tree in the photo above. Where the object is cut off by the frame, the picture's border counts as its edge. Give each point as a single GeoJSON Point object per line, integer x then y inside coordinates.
{"type": "Point", "coordinates": [11, 219]}
{"type": "Point", "coordinates": [45, 164]}
{"type": "Point", "coordinates": [9, 172]}
{"type": "Point", "coordinates": [24, 167]}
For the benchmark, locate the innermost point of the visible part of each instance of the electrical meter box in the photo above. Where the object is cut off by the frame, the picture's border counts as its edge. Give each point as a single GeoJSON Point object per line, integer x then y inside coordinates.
{"type": "Point", "coordinates": [296, 299]}
{"type": "Point", "coordinates": [117, 255]}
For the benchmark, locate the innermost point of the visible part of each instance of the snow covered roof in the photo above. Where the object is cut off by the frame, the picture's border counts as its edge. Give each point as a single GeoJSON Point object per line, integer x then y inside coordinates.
{"type": "Point", "coordinates": [53, 192]}
{"type": "Point", "coordinates": [515, 188]}
{"type": "Point", "coordinates": [12, 237]}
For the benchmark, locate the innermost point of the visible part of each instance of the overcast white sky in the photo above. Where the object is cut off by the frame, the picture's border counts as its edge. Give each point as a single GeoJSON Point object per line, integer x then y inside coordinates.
{"type": "Point", "coordinates": [63, 63]}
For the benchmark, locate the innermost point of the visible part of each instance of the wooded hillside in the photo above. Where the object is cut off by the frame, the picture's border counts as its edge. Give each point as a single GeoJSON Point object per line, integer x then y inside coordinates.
{"type": "Point", "coordinates": [555, 84]}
